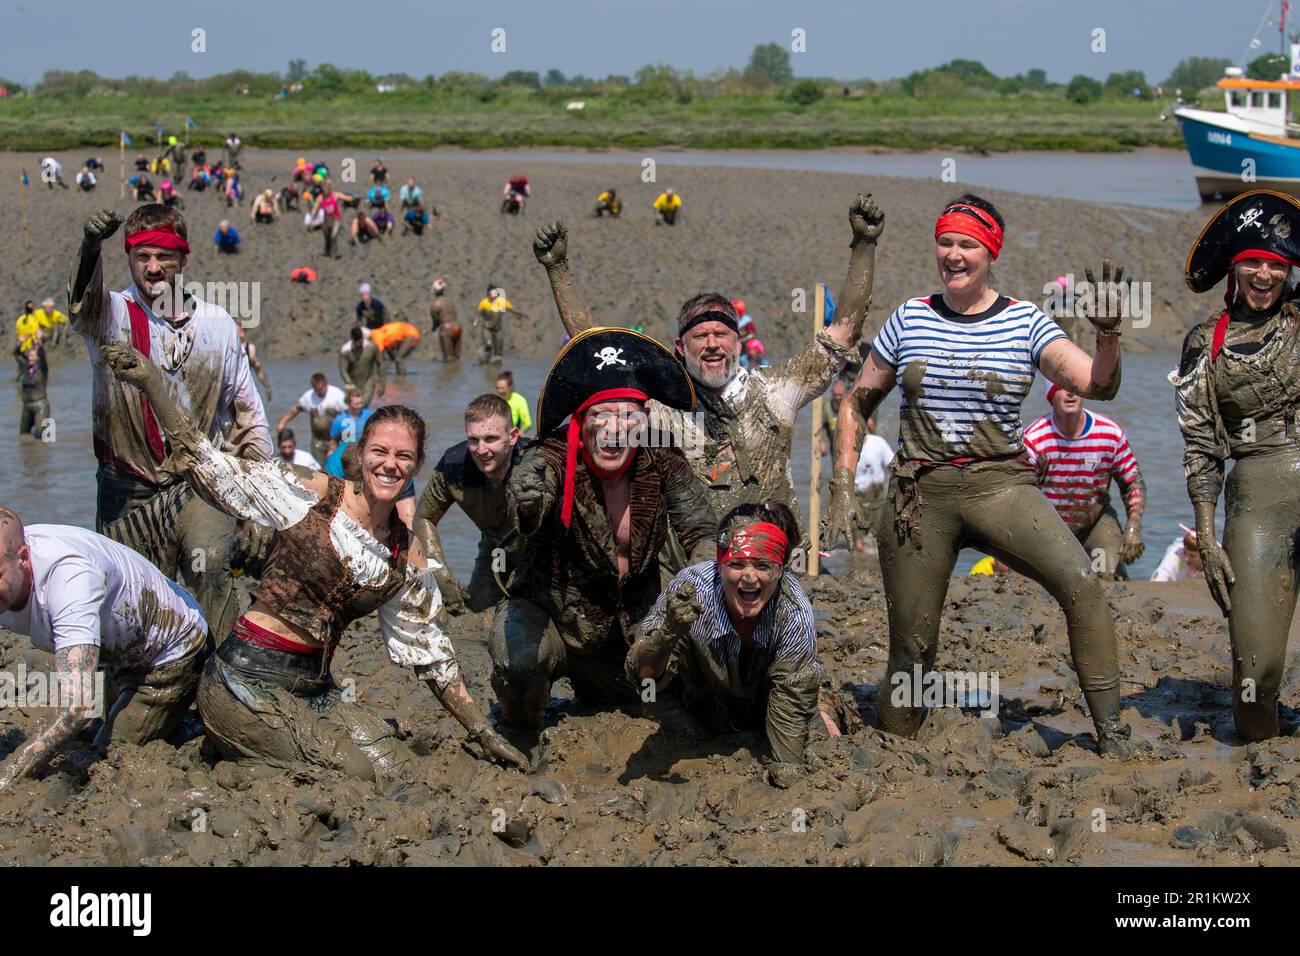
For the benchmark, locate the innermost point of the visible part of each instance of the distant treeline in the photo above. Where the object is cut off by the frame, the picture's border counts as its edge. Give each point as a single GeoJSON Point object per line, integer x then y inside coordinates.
{"type": "Point", "coordinates": [769, 72]}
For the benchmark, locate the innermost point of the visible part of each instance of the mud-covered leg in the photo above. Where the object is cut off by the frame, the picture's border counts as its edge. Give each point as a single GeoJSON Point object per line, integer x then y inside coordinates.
{"type": "Point", "coordinates": [1103, 543]}
{"type": "Point", "coordinates": [1020, 527]}
{"type": "Point", "coordinates": [526, 655]}
{"type": "Point", "coordinates": [916, 568]}
{"type": "Point", "coordinates": [205, 550]}
{"type": "Point", "coordinates": [1261, 543]}
{"type": "Point", "coordinates": [149, 706]}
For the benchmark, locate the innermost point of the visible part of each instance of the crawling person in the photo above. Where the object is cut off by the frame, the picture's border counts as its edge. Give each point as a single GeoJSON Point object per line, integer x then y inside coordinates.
{"type": "Point", "coordinates": [594, 502]}
{"type": "Point", "coordinates": [733, 639]}
{"type": "Point", "coordinates": [961, 477]}
{"type": "Point", "coordinates": [340, 556]}
{"type": "Point", "coordinates": [1077, 453]}
{"type": "Point", "coordinates": [472, 474]}
{"type": "Point", "coordinates": [90, 602]}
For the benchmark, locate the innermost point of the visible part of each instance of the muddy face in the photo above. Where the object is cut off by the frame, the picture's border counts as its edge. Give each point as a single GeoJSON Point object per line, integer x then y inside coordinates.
{"type": "Point", "coordinates": [711, 352]}
{"type": "Point", "coordinates": [747, 585]}
{"type": "Point", "coordinates": [15, 576]}
{"type": "Point", "coordinates": [154, 268]}
{"type": "Point", "coordinates": [963, 264]}
{"type": "Point", "coordinates": [605, 429]}
{"type": "Point", "coordinates": [287, 447]}
{"type": "Point", "coordinates": [491, 443]}
{"type": "Point", "coordinates": [388, 460]}
{"type": "Point", "coordinates": [1260, 282]}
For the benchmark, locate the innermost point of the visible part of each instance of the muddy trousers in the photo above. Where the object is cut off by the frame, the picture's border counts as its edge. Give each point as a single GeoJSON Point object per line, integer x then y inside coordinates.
{"type": "Point", "coordinates": [34, 415]}
{"type": "Point", "coordinates": [528, 653]}
{"type": "Point", "coordinates": [997, 509]}
{"type": "Point", "coordinates": [277, 707]}
{"type": "Point", "coordinates": [145, 705]}
{"type": "Point", "coordinates": [1262, 538]}
{"type": "Point", "coordinates": [491, 343]}
{"type": "Point", "coordinates": [330, 230]}
{"type": "Point", "coordinates": [449, 343]}
{"type": "Point", "coordinates": [1103, 542]}
{"type": "Point", "coordinates": [399, 353]}
{"type": "Point", "coordinates": [184, 536]}
{"type": "Point", "coordinates": [321, 443]}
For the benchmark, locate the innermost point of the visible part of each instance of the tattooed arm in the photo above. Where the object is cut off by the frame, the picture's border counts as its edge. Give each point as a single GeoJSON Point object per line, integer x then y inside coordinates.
{"type": "Point", "coordinates": [551, 247]}
{"type": "Point", "coordinates": [867, 221]}
{"type": "Point", "coordinates": [875, 381]}
{"type": "Point", "coordinates": [75, 671]}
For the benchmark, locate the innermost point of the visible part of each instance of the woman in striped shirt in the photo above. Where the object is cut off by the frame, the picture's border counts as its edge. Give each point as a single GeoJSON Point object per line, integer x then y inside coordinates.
{"type": "Point", "coordinates": [965, 359]}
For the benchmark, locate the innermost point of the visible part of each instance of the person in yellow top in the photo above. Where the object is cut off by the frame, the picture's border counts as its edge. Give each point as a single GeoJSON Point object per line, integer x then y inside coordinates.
{"type": "Point", "coordinates": [520, 417]}
{"type": "Point", "coordinates": [489, 321]}
{"type": "Point", "coordinates": [608, 202]}
{"type": "Point", "coordinates": [55, 320]}
{"type": "Point", "coordinates": [668, 205]}
{"type": "Point", "coordinates": [31, 328]}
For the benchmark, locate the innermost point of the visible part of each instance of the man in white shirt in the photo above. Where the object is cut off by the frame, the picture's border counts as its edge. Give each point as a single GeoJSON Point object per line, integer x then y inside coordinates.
{"type": "Point", "coordinates": [291, 454]}
{"type": "Point", "coordinates": [871, 483]}
{"type": "Point", "coordinates": [141, 503]}
{"type": "Point", "coordinates": [322, 402]}
{"type": "Point", "coordinates": [52, 172]}
{"type": "Point", "coordinates": [89, 600]}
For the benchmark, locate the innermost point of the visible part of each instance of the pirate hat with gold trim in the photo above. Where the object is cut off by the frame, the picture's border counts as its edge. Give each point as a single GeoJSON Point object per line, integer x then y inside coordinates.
{"type": "Point", "coordinates": [1258, 224]}
{"type": "Point", "coordinates": [600, 360]}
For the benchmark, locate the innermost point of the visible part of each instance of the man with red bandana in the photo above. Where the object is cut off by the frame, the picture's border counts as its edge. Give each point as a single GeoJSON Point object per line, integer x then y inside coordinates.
{"type": "Point", "coordinates": [594, 502]}
{"type": "Point", "coordinates": [196, 344]}
{"type": "Point", "coordinates": [733, 642]}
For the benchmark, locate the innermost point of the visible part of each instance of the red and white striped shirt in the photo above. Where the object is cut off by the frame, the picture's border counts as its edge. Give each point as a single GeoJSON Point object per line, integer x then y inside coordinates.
{"type": "Point", "coordinates": [1077, 472]}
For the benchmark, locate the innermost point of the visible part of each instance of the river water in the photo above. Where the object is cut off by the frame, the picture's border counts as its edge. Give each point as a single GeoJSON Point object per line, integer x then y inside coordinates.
{"type": "Point", "coordinates": [54, 482]}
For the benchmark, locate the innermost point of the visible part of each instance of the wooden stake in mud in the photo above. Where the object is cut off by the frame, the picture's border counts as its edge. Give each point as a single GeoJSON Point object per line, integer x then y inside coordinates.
{"type": "Point", "coordinates": [814, 492]}
{"type": "Point", "coordinates": [121, 165]}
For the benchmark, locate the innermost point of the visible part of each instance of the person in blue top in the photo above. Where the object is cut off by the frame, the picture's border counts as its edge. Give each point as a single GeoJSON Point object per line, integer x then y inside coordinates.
{"type": "Point", "coordinates": [964, 360]}
{"type": "Point", "coordinates": [347, 425]}
{"type": "Point", "coordinates": [226, 238]}
{"type": "Point", "coordinates": [378, 195]}
{"type": "Point", "coordinates": [415, 220]}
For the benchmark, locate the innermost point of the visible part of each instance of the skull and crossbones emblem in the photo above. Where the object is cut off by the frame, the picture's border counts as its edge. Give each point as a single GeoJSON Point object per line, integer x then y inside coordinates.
{"type": "Point", "coordinates": [609, 356]}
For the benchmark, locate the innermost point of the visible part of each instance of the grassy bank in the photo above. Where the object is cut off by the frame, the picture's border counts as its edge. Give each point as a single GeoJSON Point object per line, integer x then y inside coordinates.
{"type": "Point", "coordinates": [419, 118]}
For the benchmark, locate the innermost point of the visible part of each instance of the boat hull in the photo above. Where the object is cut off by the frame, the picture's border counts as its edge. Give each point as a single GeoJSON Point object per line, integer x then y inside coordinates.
{"type": "Point", "coordinates": [1222, 157]}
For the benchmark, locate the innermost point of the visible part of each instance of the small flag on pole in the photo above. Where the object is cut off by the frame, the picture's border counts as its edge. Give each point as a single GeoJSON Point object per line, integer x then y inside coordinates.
{"type": "Point", "coordinates": [189, 123]}
{"type": "Point", "coordinates": [126, 140]}
{"type": "Point", "coordinates": [830, 305]}
{"type": "Point", "coordinates": [24, 175]}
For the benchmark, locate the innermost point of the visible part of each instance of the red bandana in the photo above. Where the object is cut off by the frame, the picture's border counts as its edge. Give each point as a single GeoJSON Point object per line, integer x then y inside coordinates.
{"type": "Point", "coordinates": [575, 441]}
{"type": "Point", "coordinates": [164, 237]}
{"type": "Point", "coordinates": [762, 539]}
{"type": "Point", "coordinates": [972, 222]}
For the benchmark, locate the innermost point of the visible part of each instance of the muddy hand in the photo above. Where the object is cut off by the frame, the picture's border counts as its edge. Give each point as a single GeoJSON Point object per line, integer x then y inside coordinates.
{"type": "Point", "coordinates": [528, 485]}
{"type": "Point", "coordinates": [500, 750]}
{"type": "Point", "coordinates": [453, 596]}
{"type": "Point", "coordinates": [1218, 575]}
{"type": "Point", "coordinates": [683, 607]}
{"type": "Point", "coordinates": [1132, 546]}
{"type": "Point", "coordinates": [102, 224]}
{"type": "Point", "coordinates": [866, 218]}
{"type": "Point", "coordinates": [1104, 305]}
{"type": "Point", "coordinates": [551, 245]}
{"type": "Point", "coordinates": [128, 364]}
{"type": "Point", "coordinates": [255, 542]}
{"type": "Point", "coordinates": [842, 516]}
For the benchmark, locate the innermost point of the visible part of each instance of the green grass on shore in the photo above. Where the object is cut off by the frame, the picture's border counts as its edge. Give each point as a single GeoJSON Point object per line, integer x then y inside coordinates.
{"type": "Point", "coordinates": [421, 118]}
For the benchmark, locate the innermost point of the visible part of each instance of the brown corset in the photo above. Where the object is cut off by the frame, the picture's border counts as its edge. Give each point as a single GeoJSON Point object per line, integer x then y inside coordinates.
{"type": "Point", "coordinates": [307, 584]}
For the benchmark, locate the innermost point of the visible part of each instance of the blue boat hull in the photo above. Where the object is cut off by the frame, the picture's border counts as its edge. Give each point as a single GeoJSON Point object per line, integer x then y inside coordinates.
{"type": "Point", "coordinates": [1219, 161]}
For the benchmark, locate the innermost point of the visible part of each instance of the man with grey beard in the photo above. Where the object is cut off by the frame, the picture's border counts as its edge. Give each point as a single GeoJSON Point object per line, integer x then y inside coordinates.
{"type": "Point", "coordinates": [740, 445]}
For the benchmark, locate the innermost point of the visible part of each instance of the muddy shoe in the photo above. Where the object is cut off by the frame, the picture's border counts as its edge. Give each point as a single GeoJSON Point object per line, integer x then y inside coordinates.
{"type": "Point", "coordinates": [1115, 739]}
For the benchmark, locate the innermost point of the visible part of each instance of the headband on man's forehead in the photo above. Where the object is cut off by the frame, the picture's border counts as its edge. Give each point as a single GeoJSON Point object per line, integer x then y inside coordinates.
{"type": "Point", "coordinates": [973, 222]}
{"type": "Point", "coordinates": [163, 236]}
{"type": "Point", "coordinates": [713, 315]}
{"type": "Point", "coordinates": [762, 539]}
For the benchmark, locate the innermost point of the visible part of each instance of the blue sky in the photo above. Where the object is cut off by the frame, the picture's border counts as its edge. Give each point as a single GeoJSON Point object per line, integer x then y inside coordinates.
{"type": "Point", "coordinates": [874, 39]}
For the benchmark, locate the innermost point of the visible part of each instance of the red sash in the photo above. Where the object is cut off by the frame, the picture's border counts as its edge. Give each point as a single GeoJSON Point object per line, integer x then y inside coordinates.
{"type": "Point", "coordinates": [140, 339]}
{"type": "Point", "coordinates": [1220, 333]}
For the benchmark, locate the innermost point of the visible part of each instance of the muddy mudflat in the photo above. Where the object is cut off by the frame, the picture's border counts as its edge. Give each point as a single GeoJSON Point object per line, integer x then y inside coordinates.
{"type": "Point", "coordinates": [1024, 787]}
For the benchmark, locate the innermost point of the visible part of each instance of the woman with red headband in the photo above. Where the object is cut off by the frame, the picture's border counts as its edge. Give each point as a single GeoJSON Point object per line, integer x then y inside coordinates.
{"type": "Point", "coordinates": [734, 640]}
{"type": "Point", "coordinates": [966, 359]}
{"type": "Point", "coordinates": [1238, 393]}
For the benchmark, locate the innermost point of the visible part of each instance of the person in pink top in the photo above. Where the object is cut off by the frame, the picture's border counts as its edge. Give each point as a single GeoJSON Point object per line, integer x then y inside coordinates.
{"type": "Point", "coordinates": [1078, 453]}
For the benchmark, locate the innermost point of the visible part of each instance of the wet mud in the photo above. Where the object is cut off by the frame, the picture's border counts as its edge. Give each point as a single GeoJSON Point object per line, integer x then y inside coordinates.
{"type": "Point", "coordinates": [1024, 787]}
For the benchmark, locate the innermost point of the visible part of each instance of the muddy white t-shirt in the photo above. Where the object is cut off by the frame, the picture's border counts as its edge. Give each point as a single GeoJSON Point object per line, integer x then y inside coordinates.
{"type": "Point", "coordinates": [963, 377]}
{"type": "Point", "coordinates": [87, 589]}
{"type": "Point", "coordinates": [324, 406]}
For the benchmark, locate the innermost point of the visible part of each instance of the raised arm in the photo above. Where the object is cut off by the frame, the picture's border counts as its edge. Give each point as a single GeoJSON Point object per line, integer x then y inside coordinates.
{"type": "Point", "coordinates": [874, 382]}
{"type": "Point", "coordinates": [867, 221]}
{"type": "Point", "coordinates": [551, 247]}
{"type": "Point", "coordinates": [87, 293]}
{"type": "Point", "coordinates": [1094, 376]}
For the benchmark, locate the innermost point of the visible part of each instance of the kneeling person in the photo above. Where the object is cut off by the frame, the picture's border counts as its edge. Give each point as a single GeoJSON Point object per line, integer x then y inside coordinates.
{"type": "Point", "coordinates": [89, 600]}
{"type": "Point", "coordinates": [734, 638]}
{"type": "Point", "coordinates": [594, 527]}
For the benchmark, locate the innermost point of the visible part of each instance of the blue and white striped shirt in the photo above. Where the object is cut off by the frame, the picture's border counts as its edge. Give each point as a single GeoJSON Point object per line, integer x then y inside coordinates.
{"type": "Point", "coordinates": [963, 377]}
{"type": "Point", "coordinates": [785, 625]}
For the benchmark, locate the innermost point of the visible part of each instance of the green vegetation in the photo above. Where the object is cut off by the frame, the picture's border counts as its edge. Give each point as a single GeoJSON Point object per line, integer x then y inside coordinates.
{"type": "Point", "coordinates": [959, 105]}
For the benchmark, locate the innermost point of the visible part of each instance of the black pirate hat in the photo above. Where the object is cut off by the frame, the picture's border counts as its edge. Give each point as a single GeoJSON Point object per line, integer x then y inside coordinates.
{"type": "Point", "coordinates": [603, 364]}
{"type": "Point", "coordinates": [1260, 221]}
{"type": "Point", "coordinates": [600, 359]}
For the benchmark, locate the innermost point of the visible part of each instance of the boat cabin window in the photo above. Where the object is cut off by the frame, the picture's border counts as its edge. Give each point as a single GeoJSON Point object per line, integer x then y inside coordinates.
{"type": "Point", "coordinates": [1256, 100]}
{"type": "Point", "coordinates": [1238, 97]}
{"type": "Point", "coordinates": [1275, 100]}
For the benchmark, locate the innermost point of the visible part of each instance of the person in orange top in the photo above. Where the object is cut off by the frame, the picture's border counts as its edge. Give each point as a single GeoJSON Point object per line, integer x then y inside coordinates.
{"type": "Point", "coordinates": [396, 340]}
